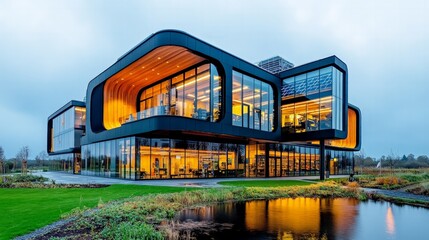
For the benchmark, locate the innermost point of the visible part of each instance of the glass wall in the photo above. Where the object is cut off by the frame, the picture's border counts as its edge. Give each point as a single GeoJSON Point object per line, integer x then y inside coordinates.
{"type": "Point", "coordinates": [313, 101]}
{"type": "Point", "coordinates": [252, 103]}
{"type": "Point", "coordinates": [294, 160]}
{"type": "Point", "coordinates": [195, 93]}
{"type": "Point", "coordinates": [69, 162]}
{"type": "Point", "coordinates": [163, 158]}
{"type": "Point", "coordinates": [67, 128]}
{"type": "Point", "coordinates": [159, 158]}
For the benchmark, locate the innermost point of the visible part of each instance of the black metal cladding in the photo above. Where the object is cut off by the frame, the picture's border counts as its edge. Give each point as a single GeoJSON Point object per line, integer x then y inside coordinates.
{"type": "Point", "coordinates": [225, 63]}
{"type": "Point", "coordinates": [96, 114]}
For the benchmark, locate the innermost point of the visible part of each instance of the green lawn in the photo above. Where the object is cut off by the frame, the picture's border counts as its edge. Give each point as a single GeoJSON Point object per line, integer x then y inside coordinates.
{"type": "Point", "coordinates": [265, 183]}
{"type": "Point", "coordinates": [24, 210]}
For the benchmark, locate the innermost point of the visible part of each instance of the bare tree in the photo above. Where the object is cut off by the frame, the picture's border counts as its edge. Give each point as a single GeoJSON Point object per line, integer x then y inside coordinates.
{"type": "Point", "coordinates": [23, 156]}
{"type": "Point", "coordinates": [392, 159]}
{"type": "Point", "coordinates": [2, 161]}
{"type": "Point", "coordinates": [41, 157]}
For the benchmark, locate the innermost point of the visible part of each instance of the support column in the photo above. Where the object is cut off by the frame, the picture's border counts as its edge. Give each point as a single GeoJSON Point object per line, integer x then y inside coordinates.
{"type": "Point", "coordinates": [322, 160]}
{"type": "Point", "coordinates": [267, 160]}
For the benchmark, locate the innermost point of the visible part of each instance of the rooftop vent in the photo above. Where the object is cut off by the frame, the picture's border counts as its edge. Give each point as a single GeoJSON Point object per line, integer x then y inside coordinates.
{"type": "Point", "coordinates": [275, 65]}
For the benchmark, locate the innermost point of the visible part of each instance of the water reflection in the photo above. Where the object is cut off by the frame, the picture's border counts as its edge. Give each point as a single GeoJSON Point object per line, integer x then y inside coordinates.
{"type": "Point", "coordinates": [301, 216]}
{"type": "Point", "coordinates": [304, 218]}
{"type": "Point", "coordinates": [390, 221]}
{"type": "Point", "coordinates": [283, 218]}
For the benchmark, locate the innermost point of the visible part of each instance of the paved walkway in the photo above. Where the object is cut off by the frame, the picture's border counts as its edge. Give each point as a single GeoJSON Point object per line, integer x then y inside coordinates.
{"type": "Point", "coordinates": [398, 194]}
{"type": "Point", "coordinates": [60, 177]}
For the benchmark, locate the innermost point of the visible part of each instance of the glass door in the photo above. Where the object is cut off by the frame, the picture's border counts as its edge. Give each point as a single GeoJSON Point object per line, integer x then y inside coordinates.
{"type": "Point", "coordinates": [260, 163]}
{"type": "Point", "coordinates": [275, 167]}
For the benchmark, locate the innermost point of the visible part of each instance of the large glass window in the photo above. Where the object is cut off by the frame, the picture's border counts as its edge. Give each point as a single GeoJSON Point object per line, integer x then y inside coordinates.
{"type": "Point", "coordinates": [67, 128]}
{"type": "Point", "coordinates": [237, 115]}
{"type": "Point", "coordinates": [322, 105]}
{"type": "Point", "coordinates": [145, 158]}
{"type": "Point", "coordinates": [252, 103]}
{"type": "Point", "coordinates": [178, 160]}
{"type": "Point", "coordinates": [196, 93]}
{"type": "Point", "coordinates": [160, 158]}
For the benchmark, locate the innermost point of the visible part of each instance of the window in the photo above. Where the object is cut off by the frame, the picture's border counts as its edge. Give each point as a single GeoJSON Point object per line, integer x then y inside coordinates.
{"type": "Point", "coordinates": [196, 93]}
{"type": "Point", "coordinates": [322, 107]}
{"type": "Point", "coordinates": [252, 103]}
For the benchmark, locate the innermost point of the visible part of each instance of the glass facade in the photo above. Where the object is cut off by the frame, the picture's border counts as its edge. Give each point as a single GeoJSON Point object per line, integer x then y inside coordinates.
{"type": "Point", "coordinates": [159, 158]}
{"type": "Point", "coordinates": [67, 128]}
{"type": "Point", "coordinates": [164, 158]}
{"type": "Point", "coordinates": [313, 101]}
{"type": "Point", "coordinates": [252, 103]}
{"type": "Point", "coordinates": [69, 162]}
{"type": "Point", "coordinates": [195, 93]}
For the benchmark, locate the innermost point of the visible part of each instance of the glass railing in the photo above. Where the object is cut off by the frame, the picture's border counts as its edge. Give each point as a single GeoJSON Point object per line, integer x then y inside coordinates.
{"type": "Point", "coordinates": [200, 113]}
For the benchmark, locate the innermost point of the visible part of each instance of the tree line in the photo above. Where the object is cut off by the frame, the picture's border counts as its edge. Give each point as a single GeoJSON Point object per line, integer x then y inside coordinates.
{"type": "Point", "coordinates": [392, 161]}
{"type": "Point", "coordinates": [21, 161]}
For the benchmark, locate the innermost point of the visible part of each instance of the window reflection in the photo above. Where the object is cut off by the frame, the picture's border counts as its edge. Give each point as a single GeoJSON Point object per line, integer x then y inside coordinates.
{"type": "Point", "coordinates": [67, 129]}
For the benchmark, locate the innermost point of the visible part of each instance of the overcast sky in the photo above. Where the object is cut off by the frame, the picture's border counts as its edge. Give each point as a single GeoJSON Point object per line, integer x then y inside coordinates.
{"type": "Point", "coordinates": [50, 50]}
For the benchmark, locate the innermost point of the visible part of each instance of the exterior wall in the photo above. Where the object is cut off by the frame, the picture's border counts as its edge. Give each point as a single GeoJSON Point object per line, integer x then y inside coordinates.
{"type": "Point", "coordinates": [165, 158]}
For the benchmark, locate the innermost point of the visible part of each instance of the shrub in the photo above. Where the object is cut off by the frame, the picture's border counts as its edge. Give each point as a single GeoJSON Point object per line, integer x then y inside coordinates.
{"type": "Point", "coordinates": [126, 230]}
{"type": "Point", "coordinates": [390, 182]}
{"type": "Point", "coordinates": [27, 178]}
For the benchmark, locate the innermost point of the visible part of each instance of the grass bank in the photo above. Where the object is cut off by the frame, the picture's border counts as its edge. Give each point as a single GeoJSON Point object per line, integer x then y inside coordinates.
{"type": "Point", "coordinates": [23, 210]}
{"type": "Point", "coordinates": [265, 183]}
{"type": "Point", "coordinates": [420, 189]}
{"type": "Point", "coordinates": [388, 181]}
{"type": "Point", "coordinates": [398, 200]}
{"type": "Point", "coordinates": [142, 217]}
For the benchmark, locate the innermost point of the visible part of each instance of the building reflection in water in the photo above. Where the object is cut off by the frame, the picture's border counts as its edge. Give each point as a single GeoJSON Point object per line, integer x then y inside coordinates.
{"type": "Point", "coordinates": [285, 218]}
{"type": "Point", "coordinates": [302, 217]}
{"type": "Point", "coordinates": [390, 221]}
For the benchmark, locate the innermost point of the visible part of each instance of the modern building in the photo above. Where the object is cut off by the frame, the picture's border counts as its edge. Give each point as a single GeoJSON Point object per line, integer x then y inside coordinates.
{"type": "Point", "coordinates": [175, 106]}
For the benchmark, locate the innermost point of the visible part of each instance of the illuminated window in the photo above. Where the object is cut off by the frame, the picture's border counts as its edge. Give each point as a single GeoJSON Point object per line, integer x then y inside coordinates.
{"type": "Point", "coordinates": [313, 101]}
{"type": "Point", "coordinates": [252, 103]}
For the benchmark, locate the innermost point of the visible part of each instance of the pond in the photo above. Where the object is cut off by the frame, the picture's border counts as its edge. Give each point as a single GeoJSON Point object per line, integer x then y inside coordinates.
{"type": "Point", "coordinates": [303, 218]}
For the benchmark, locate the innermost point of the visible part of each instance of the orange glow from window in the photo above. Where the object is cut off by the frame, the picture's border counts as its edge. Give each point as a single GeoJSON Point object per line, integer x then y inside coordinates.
{"type": "Point", "coordinates": [351, 140]}
{"type": "Point", "coordinates": [121, 90]}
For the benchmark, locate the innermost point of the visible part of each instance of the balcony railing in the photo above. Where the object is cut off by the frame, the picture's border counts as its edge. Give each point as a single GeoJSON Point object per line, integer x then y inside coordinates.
{"type": "Point", "coordinates": [201, 114]}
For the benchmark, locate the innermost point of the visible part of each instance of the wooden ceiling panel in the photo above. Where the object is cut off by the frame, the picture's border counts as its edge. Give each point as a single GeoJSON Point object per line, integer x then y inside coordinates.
{"type": "Point", "coordinates": [120, 90]}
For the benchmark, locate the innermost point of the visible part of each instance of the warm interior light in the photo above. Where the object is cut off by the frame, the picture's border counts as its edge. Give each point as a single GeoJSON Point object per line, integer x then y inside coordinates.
{"type": "Point", "coordinates": [119, 93]}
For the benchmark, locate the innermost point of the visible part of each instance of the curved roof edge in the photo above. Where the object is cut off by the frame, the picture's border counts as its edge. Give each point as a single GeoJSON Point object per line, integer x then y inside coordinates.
{"type": "Point", "coordinates": [169, 37]}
